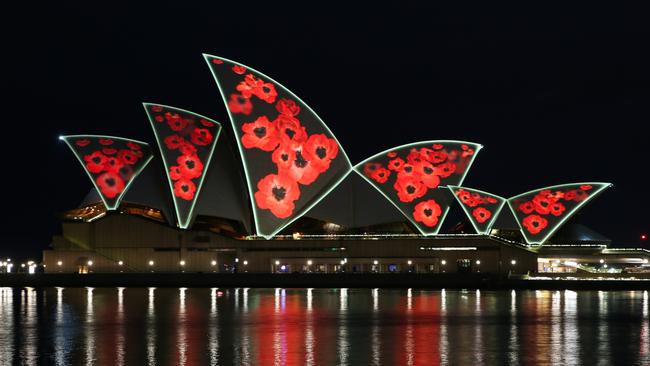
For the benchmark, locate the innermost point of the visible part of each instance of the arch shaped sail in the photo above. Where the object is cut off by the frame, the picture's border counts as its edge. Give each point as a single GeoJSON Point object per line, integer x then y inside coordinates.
{"type": "Point", "coordinates": [481, 208]}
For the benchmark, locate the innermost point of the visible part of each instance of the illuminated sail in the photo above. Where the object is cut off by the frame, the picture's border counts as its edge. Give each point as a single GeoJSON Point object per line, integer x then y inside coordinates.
{"type": "Point", "coordinates": [481, 208]}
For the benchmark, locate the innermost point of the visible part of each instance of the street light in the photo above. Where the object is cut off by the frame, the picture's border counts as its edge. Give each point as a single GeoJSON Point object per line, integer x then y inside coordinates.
{"type": "Point", "coordinates": [277, 263]}
{"type": "Point", "coordinates": [245, 263]}
{"type": "Point", "coordinates": [443, 262]}
{"type": "Point", "coordinates": [375, 262]}
{"type": "Point", "coordinates": [182, 263]}
{"type": "Point", "coordinates": [409, 262]}
{"type": "Point", "coordinates": [90, 263]}
{"type": "Point", "coordinates": [602, 261]}
{"type": "Point", "coordinates": [309, 262]}
{"type": "Point", "coordinates": [214, 263]}
{"type": "Point", "coordinates": [120, 263]}
{"type": "Point", "coordinates": [59, 263]}
{"type": "Point", "coordinates": [151, 263]}
{"type": "Point", "coordinates": [478, 262]}
{"type": "Point", "coordinates": [513, 262]}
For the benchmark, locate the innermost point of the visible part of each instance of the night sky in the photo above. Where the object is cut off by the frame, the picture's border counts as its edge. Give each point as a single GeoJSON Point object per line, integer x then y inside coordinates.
{"type": "Point", "coordinates": [554, 94]}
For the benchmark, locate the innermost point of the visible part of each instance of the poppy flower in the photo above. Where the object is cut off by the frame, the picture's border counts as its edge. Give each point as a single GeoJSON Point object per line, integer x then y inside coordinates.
{"type": "Point", "coordinates": [586, 187]}
{"type": "Point", "coordinates": [109, 150]}
{"type": "Point", "coordinates": [409, 188]}
{"type": "Point", "coordinates": [82, 143]}
{"type": "Point", "coordinates": [156, 109]}
{"type": "Point", "coordinates": [320, 151]}
{"type": "Point", "coordinates": [266, 92]}
{"type": "Point", "coordinates": [491, 200]}
{"type": "Point", "coordinates": [446, 169]}
{"type": "Point", "coordinates": [414, 156]}
{"type": "Point", "coordinates": [133, 146]}
{"type": "Point", "coordinates": [526, 207]}
{"type": "Point", "coordinates": [464, 147]}
{"type": "Point", "coordinates": [465, 197]}
{"type": "Point", "coordinates": [184, 189]}
{"type": "Point", "coordinates": [240, 104]}
{"type": "Point", "coordinates": [237, 69]}
{"type": "Point", "coordinates": [391, 154]}
{"type": "Point", "coordinates": [217, 61]}
{"type": "Point", "coordinates": [380, 175]}
{"type": "Point", "coordinates": [283, 157]}
{"type": "Point", "coordinates": [288, 107]}
{"type": "Point", "coordinates": [190, 166]}
{"type": "Point", "coordinates": [260, 134]}
{"type": "Point", "coordinates": [408, 171]}
{"type": "Point", "coordinates": [427, 174]}
{"type": "Point", "coordinates": [542, 205]}
{"type": "Point", "coordinates": [466, 153]}
{"type": "Point", "coordinates": [557, 209]}
{"type": "Point", "coordinates": [187, 148]}
{"type": "Point", "coordinates": [570, 195]}
{"type": "Point", "coordinates": [437, 146]}
{"type": "Point", "coordinates": [396, 164]}
{"type": "Point", "coordinates": [127, 157]}
{"type": "Point", "coordinates": [427, 213]}
{"type": "Point", "coordinates": [201, 136]}
{"type": "Point", "coordinates": [554, 197]}
{"type": "Point", "coordinates": [433, 156]}
{"type": "Point", "coordinates": [206, 123]}
{"type": "Point", "coordinates": [452, 155]}
{"type": "Point", "coordinates": [175, 173]}
{"type": "Point", "coordinates": [581, 195]}
{"type": "Point", "coordinates": [110, 184]}
{"type": "Point", "coordinates": [106, 142]}
{"type": "Point", "coordinates": [113, 164]}
{"type": "Point", "coordinates": [369, 168]}
{"type": "Point", "coordinates": [176, 123]}
{"type": "Point", "coordinates": [247, 86]}
{"type": "Point", "coordinates": [481, 214]}
{"type": "Point", "coordinates": [95, 162]}
{"type": "Point", "coordinates": [173, 142]}
{"type": "Point", "coordinates": [302, 170]}
{"type": "Point", "coordinates": [534, 223]}
{"type": "Point", "coordinates": [159, 118]}
{"type": "Point", "coordinates": [477, 198]}
{"type": "Point", "coordinates": [290, 132]}
{"type": "Point", "coordinates": [276, 193]}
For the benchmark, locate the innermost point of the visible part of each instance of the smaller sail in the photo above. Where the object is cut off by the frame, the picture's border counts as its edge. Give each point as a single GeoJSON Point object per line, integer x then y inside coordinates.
{"type": "Point", "coordinates": [481, 208]}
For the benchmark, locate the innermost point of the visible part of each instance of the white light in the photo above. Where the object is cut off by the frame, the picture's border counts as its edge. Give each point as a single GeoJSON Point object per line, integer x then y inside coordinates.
{"type": "Point", "coordinates": [151, 263]}
{"type": "Point", "coordinates": [447, 248]}
{"type": "Point", "coordinates": [236, 260]}
{"type": "Point", "coordinates": [32, 269]}
{"type": "Point", "coordinates": [309, 262]}
{"type": "Point", "coordinates": [182, 263]}
{"type": "Point", "coordinates": [22, 265]}
{"type": "Point", "coordinates": [602, 261]}
{"type": "Point", "coordinates": [245, 263]}
{"type": "Point", "coordinates": [59, 263]}
{"type": "Point", "coordinates": [90, 263]}
{"type": "Point", "coordinates": [605, 265]}
{"type": "Point", "coordinates": [30, 262]}
{"type": "Point", "coordinates": [443, 262]}
{"type": "Point", "coordinates": [571, 263]}
{"type": "Point", "coordinates": [513, 262]}
{"type": "Point", "coordinates": [478, 261]}
{"type": "Point", "coordinates": [283, 267]}
{"type": "Point", "coordinates": [120, 263]}
{"type": "Point", "coordinates": [61, 138]}
{"type": "Point", "coordinates": [277, 263]}
{"type": "Point", "coordinates": [342, 262]}
{"type": "Point", "coordinates": [375, 262]}
{"type": "Point", "coordinates": [645, 260]}
{"type": "Point", "coordinates": [214, 263]}
{"type": "Point", "coordinates": [409, 262]}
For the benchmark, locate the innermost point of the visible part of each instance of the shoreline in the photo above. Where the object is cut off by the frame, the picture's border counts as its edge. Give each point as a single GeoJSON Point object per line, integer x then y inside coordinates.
{"type": "Point", "coordinates": [312, 280]}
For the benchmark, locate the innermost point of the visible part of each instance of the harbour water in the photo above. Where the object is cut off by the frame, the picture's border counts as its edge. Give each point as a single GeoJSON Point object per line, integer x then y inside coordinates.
{"type": "Point", "coordinates": [254, 326]}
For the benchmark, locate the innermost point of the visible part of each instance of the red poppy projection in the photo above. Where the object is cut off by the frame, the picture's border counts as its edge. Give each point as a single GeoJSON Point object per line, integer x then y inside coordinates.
{"type": "Point", "coordinates": [413, 178]}
{"type": "Point", "coordinates": [112, 163]}
{"type": "Point", "coordinates": [186, 141]}
{"type": "Point", "coordinates": [291, 159]}
{"type": "Point", "coordinates": [541, 212]}
{"type": "Point", "coordinates": [481, 208]}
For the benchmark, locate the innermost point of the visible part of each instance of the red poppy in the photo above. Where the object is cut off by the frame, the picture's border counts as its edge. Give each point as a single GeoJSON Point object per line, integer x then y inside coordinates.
{"type": "Point", "coordinates": [283, 157]}
{"type": "Point", "coordinates": [557, 209]}
{"type": "Point", "coordinates": [133, 146]}
{"type": "Point", "coordinates": [82, 143]}
{"type": "Point", "coordinates": [302, 170]}
{"type": "Point", "coordinates": [464, 147]}
{"type": "Point", "coordinates": [277, 193]}
{"type": "Point", "coordinates": [184, 189]}
{"type": "Point", "coordinates": [110, 184]}
{"type": "Point", "coordinates": [586, 187]}
{"type": "Point", "coordinates": [554, 197]}
{"type": "Point", "coordinates": [113, 164]}
{"type": "Point", "coordinates": [526, 207]}
{"type": "Point", "coordinates": [491, 200]}
{"type": "Point", "coordinates": [396, 164]}
{"type": "Point", "coordinates": [247, 86]}
{"type": "Point", "coordinates": [466, 198]}
{"type": "Point", "coordinates": [427, 213]}
{"type": "Point", "coordinates": [466, 153]}
{"type": "Point", "coordinates": [435, 157]}
{"type": "Point", "coordinates": [534, 223]}
{"type": "Point", "coordinates": [106, 142]}
{"type": "Point", "coordinates": [201, 136]}
{"type": "Point", "coordinates": [173, 142]}
{"type": "Point", "coordinates": [427, 174]}
{"type": "Point", "coordinates": [581, 195]}
{"type": "Point", "coordinates": [414, 156]}
{"type": "Point", "coordinates": [409, 188]}
{"type": "Point", "coordinates": [290, 131]}
{"type": "Point", "coordinates": [187, 148]}
{"type": "Point", "coordinates": [408, 171]}
{"type": "Point", "coordinates": [481, 214]}
{"type": "Point", "coordinates": [369, 168]}
{"type": "Point", "coordinates": [320, 150]}
{"type": "Point", "coordinates": [206, 123]}
{"type": "Point", "coordinates": [446, 169]}
{"type": "Point", "coordinates": [380, 175]}
{"type": "Point", "coordinates": [190, 166]}
{"type": "Point", "coordinates": [175, 173]}
{"type": "Point", "coordinates": [176, 123]}
{"type": "Point", "coordinates": [437, 146]}
{"type": "Point", "coordinates": [217, 61]}
{"type": "Point", "coordinates": [237, 69]}
{"type": "Point", "coordinates": [478, 199]}
{"type": "Point", "coordinates": [95, 162]}
{"type": "Point", "coordinates": [109, 150]}
{"type": "Point", "coordinates": [570, 195]}
{"type": "Point", "coordinates": [260, 134]}
{"type": "Point", "coordinates": [159, 118]}
{"type": "Point", "coordinates": [542, 205]}
{"type": "Point", "coordinates": [288, 107]}
{"type": "Point", "coordinates": [391, 154]}
{"type": "Point", "coordinates": [239, 104]}
{"type": "Point", "coordinates": [266, 92]}
{"type": "Point", "coordinates": [156, 109]}
{"type": "Point", "coordinates": [127, 157]}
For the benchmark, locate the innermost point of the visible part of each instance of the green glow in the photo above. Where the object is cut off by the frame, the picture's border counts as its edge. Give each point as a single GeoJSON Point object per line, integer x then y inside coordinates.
{"type": "Point", "coordinates": [602, 185]}
{"type": "Point", "coordinates": [184, 222]}
{"type": "Point", "coordinates": [502, 202]}
{"type": "Point", "coordinates": [357, 168]}
{"type": "Point", "coordinates": [249, 184]}
{"type": "Point", "coordinates": [80, 159]}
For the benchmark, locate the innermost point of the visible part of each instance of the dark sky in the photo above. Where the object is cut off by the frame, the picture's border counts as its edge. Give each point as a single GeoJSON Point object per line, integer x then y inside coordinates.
{"type": "Point", "coordinates": [554, 94]}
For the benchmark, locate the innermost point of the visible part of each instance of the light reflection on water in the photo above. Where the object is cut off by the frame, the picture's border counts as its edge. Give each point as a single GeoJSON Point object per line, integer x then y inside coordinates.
{"type": "Point", "coordinates": [188, 326]}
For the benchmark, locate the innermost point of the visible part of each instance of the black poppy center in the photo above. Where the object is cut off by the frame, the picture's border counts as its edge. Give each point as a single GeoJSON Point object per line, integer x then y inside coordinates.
{"type": "Point", "coordinates": [410, 189]}
{"type": "Point", "coordinates": [185, 188]}
{"type": "Point", "coordinates": [300, 162]}
{"type": "Point", "coordinates": [381, 174]}
{"type": "Point", "coordinates": [190, 164]}
{"type": "Point", "coordinates": [428, 212]}
{"type": "Point", "coordinates": [110, 181]}
{"type": "Point", "coordinates": [260, 132]}
{"type": "Point", "coordinates": [284, 157]}
{"type": "Point", "coordinates": [543, 203]}
{"type": "Point", "coordinates": [266, 89]}
{"type": "Point", "coordinates": [241, 100]}
{"type": "Point", "coordinates": [428, 170]}
{"type": "Point", "coordinates": [535, 223]}
{"type": "Point", "coordinates": [97, 160]}
{"type": "Point", "coordinates": [321, 152]}
{"type": "Point", "coordinates": [279, 193]}
{"type": "Point", "coordinates": [291, 133]}
{"type": "Point", "coordinates": [408, 169]}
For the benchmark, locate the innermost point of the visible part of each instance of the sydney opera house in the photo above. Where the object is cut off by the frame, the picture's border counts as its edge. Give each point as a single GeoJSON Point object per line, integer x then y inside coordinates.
{"type": "Point", "coordinates": [275, 192]}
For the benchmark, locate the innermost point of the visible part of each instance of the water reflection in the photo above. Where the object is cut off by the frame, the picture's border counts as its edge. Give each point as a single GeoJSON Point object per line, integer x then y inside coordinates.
{"type": "Point", "coordinates": [193, 326]}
